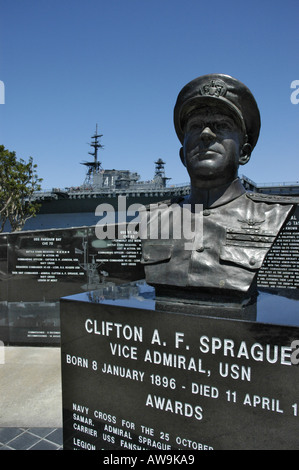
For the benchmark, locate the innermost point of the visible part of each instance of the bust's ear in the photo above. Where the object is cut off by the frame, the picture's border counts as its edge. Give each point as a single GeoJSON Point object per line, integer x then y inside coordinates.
{"type": "Point", "coordinates": [245, 154]}
{"type": "Point", "coordinates": [182, 156]}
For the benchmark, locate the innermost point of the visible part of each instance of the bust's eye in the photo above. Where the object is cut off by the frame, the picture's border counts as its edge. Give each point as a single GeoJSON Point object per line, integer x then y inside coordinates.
{"type": "Point", "coordinates": [224, 126]}
{"type": "Point", "coordinates": [197, 126]}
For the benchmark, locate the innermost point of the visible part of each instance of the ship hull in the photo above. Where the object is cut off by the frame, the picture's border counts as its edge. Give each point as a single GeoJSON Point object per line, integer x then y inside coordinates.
{"type": "Point", "coordinates": [78, 203]}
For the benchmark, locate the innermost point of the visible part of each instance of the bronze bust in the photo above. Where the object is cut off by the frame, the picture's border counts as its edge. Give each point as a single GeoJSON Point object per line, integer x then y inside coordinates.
{"type": "Point", "coordinates": [217, 121]}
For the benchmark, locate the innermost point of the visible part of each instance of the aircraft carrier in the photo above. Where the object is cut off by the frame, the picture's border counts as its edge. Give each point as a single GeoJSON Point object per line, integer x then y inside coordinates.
{"type": "Point", "coordinates": [75, 206]}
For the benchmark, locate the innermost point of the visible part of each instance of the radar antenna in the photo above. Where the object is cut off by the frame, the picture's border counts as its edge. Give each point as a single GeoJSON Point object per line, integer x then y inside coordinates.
{"type": "Point", "coordinates": [94, 167]}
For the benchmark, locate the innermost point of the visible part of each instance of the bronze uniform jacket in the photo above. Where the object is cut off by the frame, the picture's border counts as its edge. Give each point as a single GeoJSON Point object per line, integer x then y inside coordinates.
{"type": "Point", "coordinates": [235, 235]}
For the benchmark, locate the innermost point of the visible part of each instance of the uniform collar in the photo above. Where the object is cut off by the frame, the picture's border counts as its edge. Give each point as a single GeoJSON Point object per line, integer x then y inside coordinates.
{"type": "Point", "coordinates": [219, 196]}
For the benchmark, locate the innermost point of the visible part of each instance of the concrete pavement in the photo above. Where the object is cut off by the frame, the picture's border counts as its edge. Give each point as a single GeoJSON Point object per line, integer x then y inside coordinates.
{"type": "Point", "coordinates": [30, 387]}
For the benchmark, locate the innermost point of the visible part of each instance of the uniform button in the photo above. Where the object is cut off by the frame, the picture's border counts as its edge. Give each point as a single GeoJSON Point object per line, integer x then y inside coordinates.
{"type": "Point", "coordinates": [206, 212]}
{"type": "Point", "coordinates": [252, 261]}
{"type": "Point", "coordinates": [146, 257]}
{"type": "Point", "coordinates": [200, 250]}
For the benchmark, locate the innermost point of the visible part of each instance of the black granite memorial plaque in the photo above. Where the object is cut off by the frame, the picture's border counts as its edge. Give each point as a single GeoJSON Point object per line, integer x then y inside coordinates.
{"type": "Point", "coordinates": [4, 327]}
{"type": "Point", "coordinates": [38, 268]}
{"type": "Point", "coordinates": [134, 378]}
{"type": "Point", "coordinates": [280, 268]}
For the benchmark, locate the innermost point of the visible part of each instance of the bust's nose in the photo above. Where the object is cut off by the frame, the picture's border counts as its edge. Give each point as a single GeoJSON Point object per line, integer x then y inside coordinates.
{"type": "Point", "coordinates": [207, 135]}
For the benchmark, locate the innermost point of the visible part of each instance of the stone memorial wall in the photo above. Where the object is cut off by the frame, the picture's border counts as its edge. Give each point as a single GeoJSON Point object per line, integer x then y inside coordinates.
{"type": "Point", "coordinates": [40, 267]}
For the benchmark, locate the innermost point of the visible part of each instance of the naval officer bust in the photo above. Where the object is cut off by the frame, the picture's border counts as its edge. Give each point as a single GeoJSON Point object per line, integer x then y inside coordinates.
{"type": "Point", "coordinates": [217, 121]}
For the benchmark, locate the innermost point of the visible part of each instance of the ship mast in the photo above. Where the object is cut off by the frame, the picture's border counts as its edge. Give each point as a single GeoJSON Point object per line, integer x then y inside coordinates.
{"type": "Point", "coordinates": [160, 178]}
{"type": "Point", "coordinates": [94, 167]}
{"type": "Point", "coordinates": [96, 145]}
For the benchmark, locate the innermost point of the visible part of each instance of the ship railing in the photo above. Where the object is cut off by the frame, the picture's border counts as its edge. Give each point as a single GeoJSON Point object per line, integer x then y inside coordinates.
{"type": "Point", "coordinates": [179, 185]}
{"type": "Point", "coordinates": [278, 185]}
{"type": "Point", "coordinates": [126, 191]}
{"type": "Point", "coordinates": [44, 191]}
{"type": "Point", "coordinates": [270, 185]}
{"type": "Point", "coordinates": [134, 188]}
{"type": "Point", "coordinates": [44, 194]}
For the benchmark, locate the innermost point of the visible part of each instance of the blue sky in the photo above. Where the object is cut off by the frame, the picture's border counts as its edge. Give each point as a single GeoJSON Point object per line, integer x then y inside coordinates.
{"type": "Point", "coordinates": [69, 64]}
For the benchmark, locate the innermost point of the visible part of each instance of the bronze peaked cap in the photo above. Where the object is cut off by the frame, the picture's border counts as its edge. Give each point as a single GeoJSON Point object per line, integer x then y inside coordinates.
{"type": "Point", "coordinates": [213, 89]}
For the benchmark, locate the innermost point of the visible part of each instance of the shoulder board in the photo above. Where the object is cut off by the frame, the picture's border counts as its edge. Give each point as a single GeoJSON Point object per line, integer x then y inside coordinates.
{"type": "Point", "coordinates": [273, 198]}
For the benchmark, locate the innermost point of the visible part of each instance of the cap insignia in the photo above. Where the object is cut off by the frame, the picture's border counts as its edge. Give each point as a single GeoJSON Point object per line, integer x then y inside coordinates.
{"type": "Point", "coordinates": [214, 88]}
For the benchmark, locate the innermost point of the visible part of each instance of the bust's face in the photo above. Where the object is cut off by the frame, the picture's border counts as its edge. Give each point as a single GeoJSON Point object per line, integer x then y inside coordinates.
{"type": "Point", "coordinates": [211, 148]}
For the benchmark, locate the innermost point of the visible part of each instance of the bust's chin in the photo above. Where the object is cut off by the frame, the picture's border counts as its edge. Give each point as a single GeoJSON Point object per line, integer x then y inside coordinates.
{"type": "Point", "coordinates": [211, 175]}
{"type": "Point", "coordinates": [208, 181]}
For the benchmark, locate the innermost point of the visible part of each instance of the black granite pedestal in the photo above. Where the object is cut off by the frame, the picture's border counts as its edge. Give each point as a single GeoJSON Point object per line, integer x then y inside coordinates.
{"type": "Point", "coordinates": [136, 378]}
